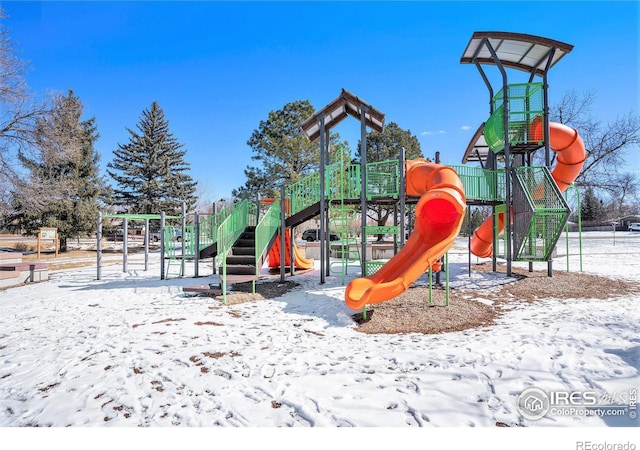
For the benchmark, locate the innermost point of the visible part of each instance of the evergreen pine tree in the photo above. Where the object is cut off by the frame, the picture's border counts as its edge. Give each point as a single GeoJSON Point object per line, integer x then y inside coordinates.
{"type": "Point", "coordinates": [591, 207]}
{"type": "Point", "coordinates": [150, 170]}
{"type": "Point", "coordinates": [63, 188]}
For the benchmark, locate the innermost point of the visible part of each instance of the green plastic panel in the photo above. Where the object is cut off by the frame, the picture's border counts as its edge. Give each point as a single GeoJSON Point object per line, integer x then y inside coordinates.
{"type": "Point", "coordinates": [526, 103]}
{"type": "Point", "coordinates": [383, 179]}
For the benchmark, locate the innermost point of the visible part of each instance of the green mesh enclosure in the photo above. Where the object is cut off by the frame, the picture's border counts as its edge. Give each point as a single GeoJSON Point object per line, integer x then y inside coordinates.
{"type": "Point", "coordinates": [526, 106]}
{"type": "Point", "coordinates": [540, 213]}
{"type": "Point", "coordinates": [383, 179]}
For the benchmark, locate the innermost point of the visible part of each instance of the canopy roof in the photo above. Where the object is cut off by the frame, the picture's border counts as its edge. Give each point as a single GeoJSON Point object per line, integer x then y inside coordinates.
{"type": "Point", "coordinates": [515, 50]}
{"type": "Point", "coordinates": [335, 112]}
{"type": "Point", "coordinates": [477, 150]}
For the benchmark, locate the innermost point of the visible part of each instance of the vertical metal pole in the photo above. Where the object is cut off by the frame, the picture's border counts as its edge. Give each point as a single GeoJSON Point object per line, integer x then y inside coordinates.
{"type": "Point", "coordinates": [196, 244]}
{"type": "Point", "coordinates": [292, 262]}
{"type": "Point", "coordinates": [507, 154]}
{"type": "Point", "coordinates": [283, 224]}
{"type": "Point", "coordinates": [99, 246]}
{"type": "Point", "coordinates": [430, 285]}
{"type": "Point", "coordinates": [485, 79]}
{"type": "Point", "coordinates": [579, 226]}
{"type": "Point", "coordinates": [327, 236]}
{"type": "Point", "coordinates": [146, 244]}
{"type": "Point", "coordinates": [162, 261]}
{"type": "Point", "coordinates": [363, 186]}
{"type": "Point", "coordinates": [446, 268]}
{"type": "Point", "coordinates": [323, 203]}
{"type": "Point", "coordinates": [395, 224]}
{"type": "Point", "coordinates": [469, 231]}
{"type": "Point", "coordinates": [125, 236]}
{"type": "Point", "coordinates": [403, 195]}
{"type": "Point", "coordinates": [438, 272]}
{"type": "Point", "coordinates": [566, 229]}
{"type": "Point", "coordinates": [545, 121]}
{"type": "Point", "coordinates": [184, 235]}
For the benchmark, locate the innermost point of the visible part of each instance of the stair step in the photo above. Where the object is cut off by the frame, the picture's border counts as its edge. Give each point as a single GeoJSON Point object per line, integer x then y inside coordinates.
{"type": "Point", "coordinates": [245, 243]}
{"type": "Point", "coordinates": [241, 260]}
{"type": "Point", "coordinates": [240, 269]}
{"type": "Point", "coordinates": [243, 251]}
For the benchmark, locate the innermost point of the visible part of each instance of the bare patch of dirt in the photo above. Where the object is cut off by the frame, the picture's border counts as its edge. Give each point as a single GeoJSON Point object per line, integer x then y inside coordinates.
{"type": "Point", "coordinates": [412, 313]}
{"type": "Point", "coordinates": [241, 292]}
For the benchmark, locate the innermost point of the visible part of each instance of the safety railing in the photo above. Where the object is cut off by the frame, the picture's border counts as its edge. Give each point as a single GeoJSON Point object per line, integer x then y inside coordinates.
{"type": "Point", "coordinates": [303, 193]}
{"type": "Point", "coordinates": [343, 182]}
{"type": "Point", "coordinates": [265, 229]}
{"type": "Point", "coordinates": [243, 215]}
{"type": "Point", "coordinates": [482, 184]}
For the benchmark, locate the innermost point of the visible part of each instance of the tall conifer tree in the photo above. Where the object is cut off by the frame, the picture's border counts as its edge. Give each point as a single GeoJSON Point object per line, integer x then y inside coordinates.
{"type": "Point", "coordinates": [63, 188]}
{"type": "Point", "coordinates": [150, 170]}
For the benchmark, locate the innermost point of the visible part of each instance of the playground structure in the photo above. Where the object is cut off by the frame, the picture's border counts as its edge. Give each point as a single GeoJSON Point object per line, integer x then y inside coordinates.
{"type": "Point", "coordinates": [529, 211]}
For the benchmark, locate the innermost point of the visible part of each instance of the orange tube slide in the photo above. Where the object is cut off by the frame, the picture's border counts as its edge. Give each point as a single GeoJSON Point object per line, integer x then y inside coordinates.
{"type": "Point", "coordinates": [567, 144]}
{"type": "Point", "coordinates": [439, 215]}
{"type": "Point", "coordinates": [299, 260]}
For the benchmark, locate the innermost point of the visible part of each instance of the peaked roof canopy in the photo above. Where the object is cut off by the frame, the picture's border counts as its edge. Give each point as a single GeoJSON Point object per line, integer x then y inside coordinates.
{"type": "Point", "coordinates": [515, 50]}
{"type": "Point", "coordinates": [345, 105]}
{"type": "Point", "coordinates": [477, 150]}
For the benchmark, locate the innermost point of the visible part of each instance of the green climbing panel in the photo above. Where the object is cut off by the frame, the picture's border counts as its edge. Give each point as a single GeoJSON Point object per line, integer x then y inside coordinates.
{"type": "Point", "coordinates": [540, 213]}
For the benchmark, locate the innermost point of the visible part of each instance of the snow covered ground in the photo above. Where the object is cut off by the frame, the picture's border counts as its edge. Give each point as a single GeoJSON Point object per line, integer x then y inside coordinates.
{"type": "Point", "coordinates": [132, 350]}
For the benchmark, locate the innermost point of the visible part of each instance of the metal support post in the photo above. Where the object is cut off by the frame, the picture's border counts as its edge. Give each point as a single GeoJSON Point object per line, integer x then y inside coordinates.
{"type": "Point", "coordinates": [125, 235]}
{"type": "Point", "coordinates": [184, 235]}
{"type": "Point", "coordinates": [403, 195]}
{"type": "Point", "coordinates": [146, 244]}
{"type": "Point", "coordinates": [323, 201]}
{"type": "Point", "coordinates": [162, 245]}
{"type": "Point", "coordinates": [196, 244]}
{"type": "Point", "coordinates": [283, 224]}
{"type": "Point", "coordinates": [363, 187]}
{"type": "Point", "coordinates": [99, 247]}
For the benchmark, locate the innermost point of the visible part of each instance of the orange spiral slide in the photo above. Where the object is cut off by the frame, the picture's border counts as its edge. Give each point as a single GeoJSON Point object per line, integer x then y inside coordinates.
{"type": "Point", "coordinates": [299, 260]}
{"type": "Point", "coordinates": [567, 144]}
{"type": "Point", "coordinates": [439, 215]}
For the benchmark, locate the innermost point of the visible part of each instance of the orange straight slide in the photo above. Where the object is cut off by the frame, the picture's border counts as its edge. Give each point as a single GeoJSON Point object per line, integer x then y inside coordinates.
{"type": "Point", "coordinates": [439, 215]}
{"type": "Point", "coordinates": [568, 146]}
{"type": "Point", "coordinates": [299, 261]}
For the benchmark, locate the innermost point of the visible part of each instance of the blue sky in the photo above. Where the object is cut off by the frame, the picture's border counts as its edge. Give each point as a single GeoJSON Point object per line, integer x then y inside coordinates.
{"type": "Point", "coordinates": [218, 68]}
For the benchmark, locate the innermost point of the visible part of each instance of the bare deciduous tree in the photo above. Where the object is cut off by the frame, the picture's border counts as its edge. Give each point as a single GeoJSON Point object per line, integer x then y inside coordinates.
{"type": "Point", "coordinates": [607, 145]}
{"type": "Point", "coordinates": [18, 112]}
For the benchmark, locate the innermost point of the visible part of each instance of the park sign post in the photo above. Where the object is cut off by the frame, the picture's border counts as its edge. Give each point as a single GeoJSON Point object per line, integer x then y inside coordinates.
{"type": "Point", "coordinates": [47, 234]}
